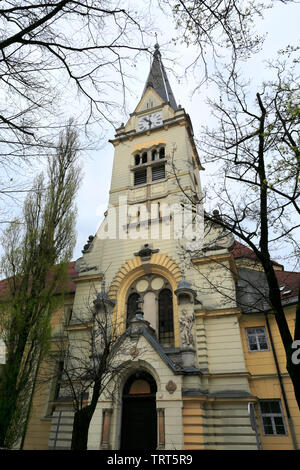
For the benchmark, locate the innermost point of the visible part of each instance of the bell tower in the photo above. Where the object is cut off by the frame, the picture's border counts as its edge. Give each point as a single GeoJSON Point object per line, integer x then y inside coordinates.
{"type": "Point", "coordinates": [154, 150]}
{"type": "Point", "coordinates": [171, 321]}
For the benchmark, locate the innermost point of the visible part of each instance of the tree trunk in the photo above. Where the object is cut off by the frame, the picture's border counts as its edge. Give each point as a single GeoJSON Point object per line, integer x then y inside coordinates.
{"type": "Point", "coordinates": [81, 426]}
{"type": "Point", "coordinates": [8, 400]}
{"type": "Point", "coordinates": [294, 373]}
{"type": "Point", "coordinates": [286, 336]}
{"type": "Point", "coordinates": [292, 368]}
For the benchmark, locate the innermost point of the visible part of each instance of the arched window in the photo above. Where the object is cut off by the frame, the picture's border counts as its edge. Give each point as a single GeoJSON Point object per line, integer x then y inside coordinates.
{"type": "Point", "coordinates": [144, 157]}
{"type": "Point", "coordinates": [165, 317]}
{"type": "Point", "coordinates": [137, 159]}
{"type": "Point", "coordinates": [132, 305]}
{"type": "Point", "coordinates": [140, 383]}
{"type": "Point", "coordinates": [154, 155]}
{"type": "Point", "coordinates": [162, 152]}
{"type": "Point", "coordinates": [157, 305]}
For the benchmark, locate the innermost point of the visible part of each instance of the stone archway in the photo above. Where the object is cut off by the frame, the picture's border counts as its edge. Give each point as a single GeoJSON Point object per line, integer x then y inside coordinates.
{"type": "Point", "coordinates": [160, 264]}
{"type": "Point", "coordinates": [138, 408]}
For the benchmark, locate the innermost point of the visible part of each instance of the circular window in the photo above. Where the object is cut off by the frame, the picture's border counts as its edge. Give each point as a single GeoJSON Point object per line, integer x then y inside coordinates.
{"type": "Point", "coordinates": [157, 283]}
{"type": "Point", "coordinates": [142, 285]}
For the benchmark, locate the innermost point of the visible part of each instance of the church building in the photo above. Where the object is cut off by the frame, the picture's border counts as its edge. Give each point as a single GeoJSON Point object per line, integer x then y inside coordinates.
{"type": "Point", "coordinates": [198, 368]}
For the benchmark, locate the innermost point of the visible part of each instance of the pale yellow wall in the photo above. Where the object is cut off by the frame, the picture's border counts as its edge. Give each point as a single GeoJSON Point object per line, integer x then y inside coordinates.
{"type": "Point", "coordinates": [262, 362]}
{"type": "Point", "coordinates": [39, 425]}
{"type": "Point", "coordinates": [214, 283]}
{"type": "Point", "coordinates": [217, 424]}
{"type": "Point", "coordinates": [86, 292]}
{"type": "Point", "coordinates": [38, 429]}
{"type": "Point", "coordinates": [224, 347]}
{"type": "Point", "coordinates": [193, 425]}
{"type": "Point", "coordinates": [263, 380]}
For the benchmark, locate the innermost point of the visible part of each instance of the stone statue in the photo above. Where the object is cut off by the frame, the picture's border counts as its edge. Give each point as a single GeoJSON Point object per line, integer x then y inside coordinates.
{"type": "Point", "coordinates": [186, 329]}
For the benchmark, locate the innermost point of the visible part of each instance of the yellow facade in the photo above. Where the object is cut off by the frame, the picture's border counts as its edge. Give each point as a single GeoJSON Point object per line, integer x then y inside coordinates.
{"type": "Point", "coordinates": [264, 381]}
{"type": "Point", "coordinates": [206, 377]}
{"type": "Point", "coordinates": [39, 424]}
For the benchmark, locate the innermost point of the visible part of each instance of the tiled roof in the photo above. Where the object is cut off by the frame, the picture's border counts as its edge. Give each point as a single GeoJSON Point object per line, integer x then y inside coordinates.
{"type": "Point", "coordinates": [71, 274]}
{"type": "Point", "coordinates": [70, 288]}
{"type": "Point", "coordinates": [3, 288]}
{"type": "Point", "coordinates": [289, 283]}
{"type": "Point", "coordinates": [242, 251]}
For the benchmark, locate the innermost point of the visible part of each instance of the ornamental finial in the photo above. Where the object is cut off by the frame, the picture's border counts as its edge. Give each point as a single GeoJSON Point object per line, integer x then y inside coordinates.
{"type": "Point", "coordinates": [156, 46]}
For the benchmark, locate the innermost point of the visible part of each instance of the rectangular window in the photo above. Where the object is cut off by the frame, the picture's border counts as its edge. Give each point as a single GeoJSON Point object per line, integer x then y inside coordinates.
{"type": "Point", "coordinates": [60, 369]}
{"type": "Point", "coordinates": [68, 315]}
{"type": "Point", "coordinates": [55, 387]}
{"type": "Point", "coordinates": [158, 172]}
{"type": "Point", "coordinates": [272, 418]}
{"type": "Point", "coordinates": [140, 177]}
{"type": "Point", "coordinates": [257, 339]}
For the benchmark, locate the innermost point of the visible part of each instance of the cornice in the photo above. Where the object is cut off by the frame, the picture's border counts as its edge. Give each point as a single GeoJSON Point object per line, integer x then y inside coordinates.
{"type": "Point", "coordinates": [90, 277]}
{"type": "Point", "coordinates": [219, 259]}
{"type": "Point", "coordinates": [223, 312]}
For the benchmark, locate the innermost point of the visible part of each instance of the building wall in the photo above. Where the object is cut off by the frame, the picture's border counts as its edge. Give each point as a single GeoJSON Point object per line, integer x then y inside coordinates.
{"type": "Point", "coordinates": [39, 424]}
{"type": "Point", "coordinates": [263, 379]}
{"type": "Point", "coordinates": [217, 425]}
{"type": "Point", "coordinates": [209, 409]}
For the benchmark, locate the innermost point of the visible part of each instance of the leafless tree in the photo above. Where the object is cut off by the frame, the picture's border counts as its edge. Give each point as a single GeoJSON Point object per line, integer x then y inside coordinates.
{"type": "Point", "coordinates": [37, 250]}
{"type": "Point", "coordinates": [219, 29]}
{"type": "Point", "coordinates": [93, 354]}
{"type": "Point", "coordinates": [53, 54]}
{"type": "Point", "coordinates": [256, 145]}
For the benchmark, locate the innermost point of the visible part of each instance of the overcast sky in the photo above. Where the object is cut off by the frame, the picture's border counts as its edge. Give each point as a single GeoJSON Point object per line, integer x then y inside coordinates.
{"type": "Point", "coordinates": [282, 25]}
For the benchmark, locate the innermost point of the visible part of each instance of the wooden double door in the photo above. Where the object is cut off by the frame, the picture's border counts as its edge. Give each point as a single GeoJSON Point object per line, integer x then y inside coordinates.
{"type": "Point", "coordinates": [139, 416]}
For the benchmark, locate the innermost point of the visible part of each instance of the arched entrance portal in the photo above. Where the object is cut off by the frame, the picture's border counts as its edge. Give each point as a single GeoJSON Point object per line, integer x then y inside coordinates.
{"type": "Point", "coordinates": [139, 419]}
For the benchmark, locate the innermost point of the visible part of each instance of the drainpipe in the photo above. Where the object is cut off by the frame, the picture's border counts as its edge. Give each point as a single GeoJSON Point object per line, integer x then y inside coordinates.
{"type": "Point", "coordinates": [290, 420]}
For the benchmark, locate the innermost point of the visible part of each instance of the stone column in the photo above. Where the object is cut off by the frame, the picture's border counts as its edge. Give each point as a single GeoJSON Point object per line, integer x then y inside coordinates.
{"type": "Point", "coordinates": [161, 428]}
{"type": "Point", "coordinates": [107, 412]}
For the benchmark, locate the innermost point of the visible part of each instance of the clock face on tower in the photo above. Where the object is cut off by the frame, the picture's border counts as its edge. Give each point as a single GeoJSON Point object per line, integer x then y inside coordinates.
{"type": "Point", "coordinates": [149, 121]}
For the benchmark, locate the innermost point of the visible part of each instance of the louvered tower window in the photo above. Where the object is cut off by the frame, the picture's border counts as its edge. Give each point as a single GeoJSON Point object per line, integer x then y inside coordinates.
{"type": "Point", "coordinates": [140, 177]}
{"type": "Point", "coordinates": [158, 172]}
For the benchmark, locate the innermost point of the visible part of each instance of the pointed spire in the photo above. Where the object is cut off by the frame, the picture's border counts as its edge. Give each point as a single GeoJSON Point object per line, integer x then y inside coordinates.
{"type": "Point", "coordinates": [158, 79]}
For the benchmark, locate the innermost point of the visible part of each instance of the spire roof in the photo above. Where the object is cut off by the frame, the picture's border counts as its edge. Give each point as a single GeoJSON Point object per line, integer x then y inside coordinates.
{"type": "Point", "coordinates": [158, 79]}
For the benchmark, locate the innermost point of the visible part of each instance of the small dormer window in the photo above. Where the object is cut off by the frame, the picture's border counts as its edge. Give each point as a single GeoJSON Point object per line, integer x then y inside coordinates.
{"type": "Point", "coordinates": [162, 152]}
{"type": "Point", "coordinates": [137, 159]}
{"type": "Point", "coordinates": [144, 157]}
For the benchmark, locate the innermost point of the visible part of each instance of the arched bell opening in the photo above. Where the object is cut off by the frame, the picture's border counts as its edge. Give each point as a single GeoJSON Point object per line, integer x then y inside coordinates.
{"type": "Point", "coordinates": [139, 416]}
